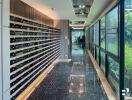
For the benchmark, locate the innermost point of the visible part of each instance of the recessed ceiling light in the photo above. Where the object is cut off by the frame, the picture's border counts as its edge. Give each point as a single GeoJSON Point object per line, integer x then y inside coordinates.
{"type": "Point", "coordinates": [81, 6]}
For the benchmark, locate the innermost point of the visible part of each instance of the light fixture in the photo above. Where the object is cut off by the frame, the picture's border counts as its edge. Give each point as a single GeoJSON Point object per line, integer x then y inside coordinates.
{"type": "Point", "coordinates": [81, 91]}
{"type": "Point", "coordinates": [72, 84]}
{"type": "Point", "coordinates": [81, 6]}
{"type": "Point", "coordinates": [81, 84]}
{"type": "Point", "coordinates": [70, 91]}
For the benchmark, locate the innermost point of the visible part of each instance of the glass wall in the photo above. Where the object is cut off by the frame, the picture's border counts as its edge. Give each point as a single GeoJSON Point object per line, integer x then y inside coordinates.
{"type": "Point", "coordinates": [112, 31]}
{"type": "Point", "coordinates": [92, 39]}
{"type": "Point", "coordinates": [108, 50]}
{"type": "Point", "coordinates": [102, 60]}
{"type": "Point", "coordinates": [114, 74]}
{"type": "Point", "coordinates": [96, 40]}
{"type": "Point", "coordinates": [102, 43]}
{"type": "Point", "coordinates": [128, 5]}
{"type": "Point", "coordinates": [96, 33]}
{"type": "Point", "coordinates": [102, 32]}
{"type": "Point", "coordinates": [112, 47]}
{"type": "Point", "coordinates": [78, 39]}
{"type": "Point", "coordinates": [106, 44]}
{"type": "Point", "coordinates": [128, 46]}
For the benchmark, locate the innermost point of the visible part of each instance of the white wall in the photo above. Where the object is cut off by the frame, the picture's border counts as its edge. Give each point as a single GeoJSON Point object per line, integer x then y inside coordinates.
{"type": "Point", "coordinates": [0, 58]}
{"type": "Point", "coordinates": [5, 50]}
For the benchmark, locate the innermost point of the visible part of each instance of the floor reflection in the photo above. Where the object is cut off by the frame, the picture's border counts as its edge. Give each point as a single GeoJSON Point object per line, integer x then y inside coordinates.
{"type": "Point", "coordinates": [77, 49]}
{"type": "Point", "coordinates": [77, 84]}
{"type": "Point", "coordinates": [76, 80]}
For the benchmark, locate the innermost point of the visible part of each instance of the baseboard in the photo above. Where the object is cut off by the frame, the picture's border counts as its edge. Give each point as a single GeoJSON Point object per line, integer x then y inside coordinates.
{"type": "Point", "coordinates": [35, 84]}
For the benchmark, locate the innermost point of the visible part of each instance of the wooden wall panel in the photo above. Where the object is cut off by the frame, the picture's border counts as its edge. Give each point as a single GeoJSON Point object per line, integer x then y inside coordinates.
{"type": "Point", "coordinates": [20, 8]}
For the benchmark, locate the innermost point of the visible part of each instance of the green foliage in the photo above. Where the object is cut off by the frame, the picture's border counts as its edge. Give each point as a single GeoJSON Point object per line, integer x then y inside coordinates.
{"type": "Point", "coordinates": [103, 22]}
{"type": "Point", "coordinates": [103, 44]}
{"type": "Point", "coordinates": [128, 56]}
{"type": "Point", "coordinates": [128, 39]}
{"type": "Point", "coordinates": [128, 27]}
{"type": "Point", "coordinates": [103, 38]}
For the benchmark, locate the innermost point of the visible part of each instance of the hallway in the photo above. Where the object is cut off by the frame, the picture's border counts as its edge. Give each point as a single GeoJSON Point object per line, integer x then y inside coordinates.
{"type": "Point", "coordinates": [76, 80]}
{"type": "Point", "coordinates": [65, 50]}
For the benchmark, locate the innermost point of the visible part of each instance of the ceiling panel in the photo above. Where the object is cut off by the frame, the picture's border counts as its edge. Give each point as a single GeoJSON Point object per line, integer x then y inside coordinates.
{"type": "Point", "coordinates": [63, 9]}
{"type": "Point", "coordinates": [82, 7]}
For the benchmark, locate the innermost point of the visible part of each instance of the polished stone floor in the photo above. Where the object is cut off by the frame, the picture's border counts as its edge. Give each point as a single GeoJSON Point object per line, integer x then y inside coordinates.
{"type": "Point", "coordinates": [76, 80]}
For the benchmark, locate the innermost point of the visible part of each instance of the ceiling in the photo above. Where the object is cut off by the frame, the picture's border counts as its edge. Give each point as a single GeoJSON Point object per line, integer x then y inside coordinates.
{"type": "Point", "coordinates": [82, 7]}
{"type": "Point", "coordinates": [63, 9]}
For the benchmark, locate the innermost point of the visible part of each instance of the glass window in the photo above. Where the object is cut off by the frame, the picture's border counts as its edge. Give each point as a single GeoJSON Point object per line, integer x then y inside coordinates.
{"type": "Point", "coordinates": [97, 55]}
{"type": "Point", "coordinates": [128, 48]}
{"type": "Point", "coordinates": [92, 39]}
{"type": "Point", "coordinates": [92, 34]}
{"type": "Point", "coordinates": [92, 49]}
{"type": "Point", "coordinates": [112, 31]}
{"type": "Point", "coordinates": [102, 33]}
{"type": "Point", "coordinates": [128, 4]}
{"type": "Point", "coordinates": [102, 54]}
{"type": "Point", "coordinates": [96, 33]}
{"type": "Point", "coordinates": [114, 74]}
{"type": "Point", "coordinates": [77, 41]}
{"type": "Point", "coordinates": [87, 38]}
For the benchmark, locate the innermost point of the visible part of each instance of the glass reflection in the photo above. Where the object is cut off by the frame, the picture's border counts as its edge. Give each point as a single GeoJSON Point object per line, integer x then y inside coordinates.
{"type": "Point", "coordinates": [102, 54]}
{"type": "Point", "coordinates": [128, 46]}
{"type": "Point", "coordinates": [102, 34]}
{"type": "Point", "coordinates": [112, 31]}
{"type": "Point", "coordinates": [114, 74]}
